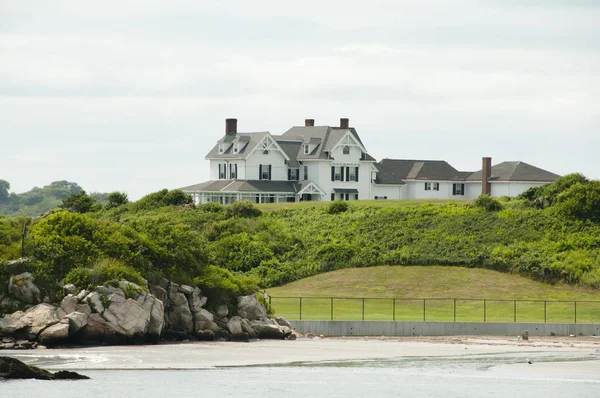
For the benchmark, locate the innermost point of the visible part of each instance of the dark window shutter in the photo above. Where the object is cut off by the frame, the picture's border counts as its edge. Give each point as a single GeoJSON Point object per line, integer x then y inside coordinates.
{"type": "Point", "coordinates": [453, 189]}
{"type": "Point", "coordinates": [332, 197]}
{"type": "Point", "coordinates": [347, 173]}
{"type": "Point", "coordinates": [462, 189]}
{"type": "Point", "coordinates": [269, 172]}
{"type": "Point", "coordinates": [332, 174]}
{"type": "Point", "coordinates": [342, 171]}
{"type": "Point", "coordinates": [289, 174]}
{"type": "Point", "coordinates": [260, 171]}
{"type": "Point", "coordinates": [356, 179]}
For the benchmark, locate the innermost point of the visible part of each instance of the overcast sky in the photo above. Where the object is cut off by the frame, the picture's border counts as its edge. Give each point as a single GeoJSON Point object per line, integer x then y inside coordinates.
{"type": "Point", "coordinates": [131, 95]}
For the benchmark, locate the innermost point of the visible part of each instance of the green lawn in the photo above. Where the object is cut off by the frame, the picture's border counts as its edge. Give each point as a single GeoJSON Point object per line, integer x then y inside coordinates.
{"type": "Point", "coordinates": [433, 294]}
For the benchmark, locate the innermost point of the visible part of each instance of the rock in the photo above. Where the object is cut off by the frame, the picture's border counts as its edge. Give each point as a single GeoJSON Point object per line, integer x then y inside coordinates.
{"type": "Point", "coordinates": [265, 331]}
{"type": "Point", "coordinates": [251, 306]}
{"type": "Point", "coordinates": [7, 346]}
{"type": "Point", "coordinates": [196, 301]}
{"type": "Point", "coordinates": [202, 320]}
{"type": "Point", "coordinates": [159, 293]}
{"type": "Point", "coordinates": [23, 345]}
{"type": "Point", "coordinates": [10, 323]}
{"type": "Point", "coordinates": [39, 318]}
{"type": "Point", "coordinates": [56, 333]}
{"type": "Point", "coordinates": [281, 321]}
{"type": "Point", "coordinates": [310, 336]}
{"type": "Point", "coordinates": [82, 295]}
{"type": "Point", "coordinates": [23, 289]}
{"type": "Point", "coordinates": [525, 335]}
{"type": "Point", "coordinates": [222, 310]}
{"type": "Point", "coordinates": [157, 313]}
{"type": "Point", "coordinates": [240, 337]}
{"type": "Point", "coordinates": [292, 336]}
{"type": "Point", "coordinates": [70, 288]}
{"type": "Point", "coordinates": [77, 320]}
{"type": "Point", "coordinates": [127, 316]}
{"type": "Point", "coordinates": [164, 284]}
{"type": "Point", "coordinates": [187, 290]}
{"type": "Point", "coordinates": [173, 290]}
{"type": "Point", "coordinates": [234, 325]}
{"type": "Point", "coordinates": [84, 308]}
{"type": "Point", "coordinates": [205, 335]}
{"type": "Point", "coordinates": [179, 299]}
{"type": "Point", "coordinates": [93, 300]}
{"type": "Point", "coordinates": [11, 368]}
{"type": "Point", "coordinates": [98, 330]}
{"type": "Point", "coordinates": [69, 304]}
{"type": "Point", "coordinates": [248, 328]}
{"type": "Point", "coordinates": [108, 290]}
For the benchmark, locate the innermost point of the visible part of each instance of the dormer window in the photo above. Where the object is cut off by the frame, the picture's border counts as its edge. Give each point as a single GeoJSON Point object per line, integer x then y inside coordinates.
{"type": "Point", "coordinates": [221, 148]}
{"type": "Point", "coordinates": [306, 149]}
{"type": "Point", "coordinates": [235, 148]}
{"type": "Point", "coordinates": [346, 150]}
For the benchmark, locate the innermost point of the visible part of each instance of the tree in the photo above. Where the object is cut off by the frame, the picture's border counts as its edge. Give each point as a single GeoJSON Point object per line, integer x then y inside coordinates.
{"type": "Point", "coordinates": [80, 203]}
{"type": "Point", "coordinates": [116, 199]}
{"type": "Point", "coordinates": [581, 201]}
{"type": "Point", "coordinates": [4, 187]}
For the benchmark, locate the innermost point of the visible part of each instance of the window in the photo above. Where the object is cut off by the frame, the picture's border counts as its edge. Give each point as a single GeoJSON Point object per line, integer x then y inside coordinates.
{"type": "Point", "coordinates": [306, 149]}
{"type": "Point", "coordinates": [355, 196]}
{"type": "Point", "coordinates": [436, 186]}
{"type": "Point", "coordinates": [233, 171]}
{"type": "Point", "coordinates": [264, 172]}
{"type": "Point", "coordinates": [222, 171]}
{"type": "Point", "coordinates": [235, 148]}
{"type": "Point", "coordinates": [346, 150]}
{"type": "Point", "coordinates": [221, 148]}
{"type": "Point", "coordinates": [352, 173]}
{"type": "Point", "coordinates": [428, 186]}
{"type": "Point", "coordinates": [293, 174]}
{"type": "Point", "coordinates": [305, 173]}
{"type": "Point", "coordinates": [338, 173]}
{"type": "Point", "coordinates": [458, 189]}
{"type": "Point", "coordinates": [380, 197]}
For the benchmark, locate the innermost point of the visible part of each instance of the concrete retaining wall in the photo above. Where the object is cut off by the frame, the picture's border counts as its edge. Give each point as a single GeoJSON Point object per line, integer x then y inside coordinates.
{"type": "Point", "coordinates": [389, 328]}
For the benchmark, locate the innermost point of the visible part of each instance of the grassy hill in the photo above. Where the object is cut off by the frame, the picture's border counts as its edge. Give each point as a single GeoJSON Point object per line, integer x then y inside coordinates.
{"type": "Point", "coordinates": [388, 292]}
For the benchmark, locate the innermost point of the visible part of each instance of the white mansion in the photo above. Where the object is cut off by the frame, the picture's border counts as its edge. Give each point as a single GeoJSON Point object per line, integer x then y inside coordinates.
{"type": "Point", "coordinates": [323, 163]}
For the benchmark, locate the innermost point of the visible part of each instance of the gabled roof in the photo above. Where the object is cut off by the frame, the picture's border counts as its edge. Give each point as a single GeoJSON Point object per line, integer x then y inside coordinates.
{"type": "Point", "coordinates": [291, 149]}
{"type": "Point", "coordinates": [516, 171]}
{"type": "Point", "coordinates": [246, 142]}
{"type": "Point", "coordinates": [395, 171]}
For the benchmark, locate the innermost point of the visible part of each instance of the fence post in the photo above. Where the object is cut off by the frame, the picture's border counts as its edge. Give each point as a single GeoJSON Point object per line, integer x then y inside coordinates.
{"type": "Point", "coordinates": [454, 310]}
{"type": "Point", "coordinates": [484, 310]}
{"type": "Point", "coordinates": [394, 309]}
{"type": "Point", "coordinates": [332, 308]}
{"type": "Point", "coordinates": [515, 311]}
{"type": "Point", "coordinates": [363, 309]}
{"type": "Point", "coordinates": [545, 311]}
{"type": "Point", "coordinates": [300, 308]}
{"type": "Point", "coordinates": [575, 311]}
{"type": "Point", "coordinates": [423, 310]}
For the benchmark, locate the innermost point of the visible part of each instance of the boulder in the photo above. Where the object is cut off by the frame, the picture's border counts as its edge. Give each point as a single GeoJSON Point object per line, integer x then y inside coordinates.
{"type": "Point", "coordinates": [179, 299]}
{"type": "Point", "coordinates": [82, 295]}
{"type": "Point", "coordinates": [164, 283]}
{"type": "Point", "coordinates": [39, 318]}
{"type": "Point", "coordinates": [205, 335]}
{"type": "Point", "coordinates": [248, 328]}
{"type": "Point", "coordinates": [222, 310]}
{"type": "Point", "coordinates": [69, 304]}
{"type": "Point", "coordinates": [23, 289]}
{"type": "Point", "coordinates": [157, 313]}
{"type": "Point", "coordinates": [179, 317]}
{"type": "Point", "coordinates": [77, 320]}
{"type": "Point", "coordinates": [159, 293]}
{"type": "Point", "coordinates": [127, 316]}
{"type": "Point", "coordinates": [281, 321]}
{"type": "Point", "coordinates": [173, 290]}
{"type": "Point", "coordinates": [251, 307]}
{"type": "Point", "coordinates": [234, 325]}
{"type": "Point", "coordinates": [56, 333]}
{"type": "Point", "coordinates": [98, 330]}
{"type": "Point", "coordinates": [525, 335]}
{"type": "Point", "coordinates": [108, 290]}
{"type": "Point", "coordinates": [268, 331]}
{"type": "Point", "coordinates": [70, 288]}
{"type": "Point", "coordinates": [93, 299]}
{"type": "Point", "coordinates": [196, 301]}
{"type": "Point", "coordinates": [85, 308]}
{"type": "Point", "coordinates": [10, 323]}
{"type": "Point", "coordinates": [187, 290]}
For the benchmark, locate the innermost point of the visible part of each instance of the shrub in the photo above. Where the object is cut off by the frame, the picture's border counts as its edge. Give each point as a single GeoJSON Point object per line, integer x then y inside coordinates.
{"type": "Point", "coordinates": [337, 207]}
{"type": "Point", "coordinates": [581, 201]}
{"type": "Point", "coordinates": [243, 208]}
{"type": "Point", "coordinates": [487, 203]}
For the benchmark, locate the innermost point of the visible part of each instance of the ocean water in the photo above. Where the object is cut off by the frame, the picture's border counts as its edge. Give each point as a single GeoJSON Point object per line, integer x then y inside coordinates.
{"type": "Point", "coordinates": [238, 371]}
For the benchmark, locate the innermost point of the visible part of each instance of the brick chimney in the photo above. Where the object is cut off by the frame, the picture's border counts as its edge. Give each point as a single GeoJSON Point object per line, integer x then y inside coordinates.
{"type": "Point", "coordinates": [230, 126]}
{"type": "Point", "coordinates": [486, 173]}
{"type": "Point", "coordinates": [309, 122]}
{"type": "Point", "coordinates": [344, 123]}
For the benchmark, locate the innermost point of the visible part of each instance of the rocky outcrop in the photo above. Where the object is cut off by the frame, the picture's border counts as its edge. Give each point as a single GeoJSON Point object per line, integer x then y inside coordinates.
{"type": "Point", "coordinates": [130, 314]}
{"type": "Point", "coordinates": [22, 288]}
{"type": "Point", "coordinates": [11, 368]}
